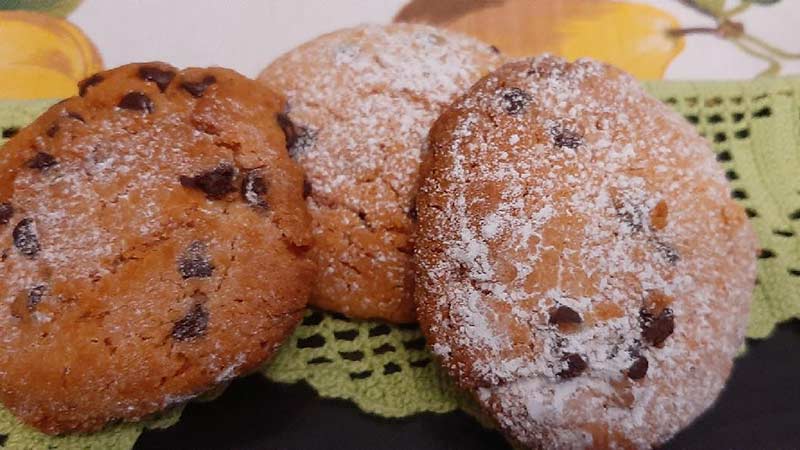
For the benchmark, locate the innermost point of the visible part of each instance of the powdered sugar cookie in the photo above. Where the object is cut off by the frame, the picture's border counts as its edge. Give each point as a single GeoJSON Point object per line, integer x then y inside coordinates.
{"type": "Point", "coordinates": [581, 265]}
{"type": "Point", "coordinates": [361, 102]}
{"type": "Point", "coordinates": [153, 240]}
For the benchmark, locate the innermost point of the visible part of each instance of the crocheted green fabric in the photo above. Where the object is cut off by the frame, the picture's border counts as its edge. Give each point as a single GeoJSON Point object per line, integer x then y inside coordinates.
{"type": "Point", "coordinates": [385, 370]}
{"type": "Point", "coordinates": [755, 131]}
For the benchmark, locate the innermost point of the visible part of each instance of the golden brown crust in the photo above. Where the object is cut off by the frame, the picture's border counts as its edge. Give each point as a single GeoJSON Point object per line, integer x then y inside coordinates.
{"type": "Point", "coordinates": [582, 267]}
{"type": "Point", "coordinates": [157, 246]}
{"type": "Point", "coordinates": [362, 100]}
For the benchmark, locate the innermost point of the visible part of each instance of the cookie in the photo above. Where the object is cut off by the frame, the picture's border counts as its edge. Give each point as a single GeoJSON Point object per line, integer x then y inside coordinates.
{"type": "Point", "coordinates": [153, 244]}
{"type": "Point", "coordinates": [361, 102]}
{"type": "Point", "coordinates": [582, 267]}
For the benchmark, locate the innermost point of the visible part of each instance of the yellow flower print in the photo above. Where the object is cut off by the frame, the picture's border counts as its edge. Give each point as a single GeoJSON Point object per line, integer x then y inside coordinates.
{"type": "Point", "coordinates": [632, 36]}
{"type": "Point", "coordinates": [42, 56]}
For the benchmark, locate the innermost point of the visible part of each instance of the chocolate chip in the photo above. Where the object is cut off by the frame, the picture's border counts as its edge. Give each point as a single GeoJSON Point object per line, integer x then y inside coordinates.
{"type": "Point", "coordinates": [298, 138]}
{"type": "Point", "coordinates": [289, 130]}
{"type": "Point", "coordinates": [494, 49]}
{"type": "Point", "coordinates": [564, 315]}
{"type": "Point", "coordinates": [84, 85]}
{"type": "Point", "coordinates": [25, 239]}
{"type": "Point", "coordinates": [136, 101]}
{"type": "Point", "coordinates": [656, 330]}
{"type": "Point", "coordinates": [412, 211]}
{"type": "Point", "coordinates": [52, 130]}
{"type": "Point", "coordinates": [575, 366]}
{"type": "Point", "coordinates": [195, 262]}
{"type": "Point", "coordinates": [10, 132]}
{"type": "Point", "coordinates": [254, 188]}
{"type": "Point", "coordinates": [515, 100]}
{"type": "Point", "coordinates": [162, 78]}
{"type": "Point", "coordinates": [3, 439]}
{"type": "Point", "coordinates": [35, 296]}
{"type": "Point", "coordinates": [563, 137]}
{"type": "Point", "coordinates": [198, 88]}
{"type": "Point", "coordinates": [638, 369]}
{"type": "Point", "coordinates": [193, 325]}
{"type": "Point", "coordinates": [216, 183]}
{"type": "Point", "coordinates": [6, 212]}
{"type": "Point", "coordinates": [41, 161]}
{"type": "Point", "coordinates": [307, 188]}
{"type": "Point", "coordinates": [362, 216]}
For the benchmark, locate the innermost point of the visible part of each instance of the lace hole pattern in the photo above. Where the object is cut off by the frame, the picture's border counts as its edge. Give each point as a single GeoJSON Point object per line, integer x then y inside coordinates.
{"type": "Point", "coordinates": [755, 133]}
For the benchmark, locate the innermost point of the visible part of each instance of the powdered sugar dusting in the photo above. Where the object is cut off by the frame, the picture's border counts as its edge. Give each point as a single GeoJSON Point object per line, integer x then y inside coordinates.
{"type": "Point", "coordinates": [385, 88]}
{"type": "Point", "coordinates": [368, 96]}
{"type": "Point", "coordinates": [130, 266]}
{"type": "Point", "coordinates": [566, 185]}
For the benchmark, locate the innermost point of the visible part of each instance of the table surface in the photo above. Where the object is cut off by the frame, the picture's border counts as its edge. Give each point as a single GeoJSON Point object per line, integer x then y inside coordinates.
{"type": "Point", "coordinates": [760, 409]}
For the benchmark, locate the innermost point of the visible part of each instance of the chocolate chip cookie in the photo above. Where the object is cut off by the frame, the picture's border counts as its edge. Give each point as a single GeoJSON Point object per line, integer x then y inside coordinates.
{"type": "Point", "coordinates": [361, 101]}
{"type": "Point", "coordinates": [582, 267]}
{"type": "Point", "coordinates": [153, 244]}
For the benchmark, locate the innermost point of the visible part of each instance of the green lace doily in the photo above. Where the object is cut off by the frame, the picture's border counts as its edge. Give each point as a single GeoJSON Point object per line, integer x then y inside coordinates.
{"type": "Point", "coordinates": [385, 370]}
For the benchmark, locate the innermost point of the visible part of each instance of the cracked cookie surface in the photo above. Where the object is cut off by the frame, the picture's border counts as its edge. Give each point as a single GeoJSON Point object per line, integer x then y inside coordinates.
{"type": "Point", "coordinates": [153, 239]}
{"type": "Point", "coordinates": [582, 267]}
{"type": "Point", "coordinates": [361, 101]}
